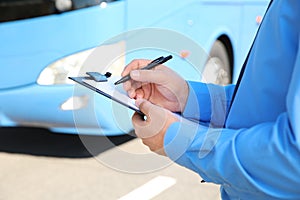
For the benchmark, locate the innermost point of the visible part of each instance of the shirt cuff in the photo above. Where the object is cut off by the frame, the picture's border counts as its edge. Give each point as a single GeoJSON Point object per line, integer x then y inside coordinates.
{"type": "Point", "coordinates": [179, 137]}
{"type": "Point", "coordinates": [198, 105]}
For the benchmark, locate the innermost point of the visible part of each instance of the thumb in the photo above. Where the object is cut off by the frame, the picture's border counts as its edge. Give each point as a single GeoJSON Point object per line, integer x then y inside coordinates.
{"type": "Point", "coordinates": [155, 119]}
{"type": "Point", "coordinates": [144, 106]}
{"type": "Point", "coordinates": [150, 76]}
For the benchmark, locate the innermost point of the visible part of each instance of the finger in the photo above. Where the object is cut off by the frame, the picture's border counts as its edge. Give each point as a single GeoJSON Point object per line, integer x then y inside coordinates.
{"type": "Point", "coordinates": [130, 87]}
{"type": "Point", "coordinates": [131, 93]}
{"type": "Point", "coordinates": [131, 84]}
{"type": "Point", "coordinates": [139, 94]}
{"type": "Point", "coordinates": [145, 106]}
{"type": "Point", "coordinates": [156, 119]}
{"type": "Point", "coordinates": [135, 64]}
{"type": "Point", "coordinates": [134, 89]}
{"type": "Point", "coordinates": [136, 84]}
{"type": "Point", "coordinates": [127, 85]}
{"type": "Point", "coordinates": [138, 121]}
{"type": "Point", "coordinates": [150, 76]}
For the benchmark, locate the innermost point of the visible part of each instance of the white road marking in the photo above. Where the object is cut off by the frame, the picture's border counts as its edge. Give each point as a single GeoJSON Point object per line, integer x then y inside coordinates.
{"type": "Point", "coordinates": [150, 189]}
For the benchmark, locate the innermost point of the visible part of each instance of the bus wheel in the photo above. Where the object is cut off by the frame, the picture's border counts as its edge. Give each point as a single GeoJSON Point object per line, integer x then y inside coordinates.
{"type": "Point", "coordinates": [217, 69]}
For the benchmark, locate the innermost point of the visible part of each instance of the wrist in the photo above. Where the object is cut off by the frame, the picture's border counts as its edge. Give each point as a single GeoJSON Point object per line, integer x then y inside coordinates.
{"type": "Point", "coordinates": [183, 96]}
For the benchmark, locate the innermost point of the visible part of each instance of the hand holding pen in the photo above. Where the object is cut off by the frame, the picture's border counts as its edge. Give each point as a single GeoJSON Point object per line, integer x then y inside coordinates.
{"type": "Point", "coordinates": [154, 63]}
{"type": "Point", "coordinates": [162, 86]}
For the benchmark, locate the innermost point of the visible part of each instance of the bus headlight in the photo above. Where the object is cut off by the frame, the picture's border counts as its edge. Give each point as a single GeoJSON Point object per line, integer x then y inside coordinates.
{"type": "Point", "coordinates": [59, 71]}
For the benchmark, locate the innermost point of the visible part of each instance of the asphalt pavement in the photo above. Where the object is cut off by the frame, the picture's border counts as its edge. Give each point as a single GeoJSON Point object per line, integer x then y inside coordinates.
{"type": "Point", "coordinates": [36, 164]}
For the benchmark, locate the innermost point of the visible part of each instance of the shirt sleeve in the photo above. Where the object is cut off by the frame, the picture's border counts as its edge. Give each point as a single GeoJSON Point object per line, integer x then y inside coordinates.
{"type": "Point", "coordinates": [262, 160]}
{"type": "Point", "coordinates": [208, 102]}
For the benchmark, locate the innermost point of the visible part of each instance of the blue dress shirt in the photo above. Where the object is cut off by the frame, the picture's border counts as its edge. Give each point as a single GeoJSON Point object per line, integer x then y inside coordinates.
{"type": "Point", "coordinates": [252, 149]}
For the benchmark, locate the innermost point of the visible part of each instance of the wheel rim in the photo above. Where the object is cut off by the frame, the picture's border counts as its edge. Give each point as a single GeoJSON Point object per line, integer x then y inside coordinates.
{"type": "Point", "coordinates": [216, 72]}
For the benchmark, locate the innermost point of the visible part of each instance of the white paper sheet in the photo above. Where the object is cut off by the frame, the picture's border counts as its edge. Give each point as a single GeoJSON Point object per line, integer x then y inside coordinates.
{"type": "Point", "coordinates": [115, 92]}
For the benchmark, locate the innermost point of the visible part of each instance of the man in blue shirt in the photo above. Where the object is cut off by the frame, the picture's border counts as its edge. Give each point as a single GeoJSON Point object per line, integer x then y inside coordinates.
{"type": "Point", "coordinates": [245, 138]}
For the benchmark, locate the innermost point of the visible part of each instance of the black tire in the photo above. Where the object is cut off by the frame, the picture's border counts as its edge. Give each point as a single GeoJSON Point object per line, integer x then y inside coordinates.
{"type": "Point", "coordinates": [217, 69]}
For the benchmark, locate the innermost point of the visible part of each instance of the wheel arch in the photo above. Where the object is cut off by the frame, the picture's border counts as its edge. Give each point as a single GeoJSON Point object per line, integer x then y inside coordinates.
{"type": "Point", "coordinates": [229, 48]}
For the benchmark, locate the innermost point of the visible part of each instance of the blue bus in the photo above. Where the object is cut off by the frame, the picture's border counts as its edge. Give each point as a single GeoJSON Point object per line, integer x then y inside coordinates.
{"type": "Point", "coordinates": [44, 42]}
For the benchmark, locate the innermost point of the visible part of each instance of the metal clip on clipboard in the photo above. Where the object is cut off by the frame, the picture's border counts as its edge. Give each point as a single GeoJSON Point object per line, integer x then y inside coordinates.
{"type": "Point", "coordinates": [98, 77]}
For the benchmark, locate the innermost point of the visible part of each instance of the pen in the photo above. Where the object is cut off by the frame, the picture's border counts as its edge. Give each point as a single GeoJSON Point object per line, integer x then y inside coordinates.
{"type": "Point", "coordinates": [154, 63]}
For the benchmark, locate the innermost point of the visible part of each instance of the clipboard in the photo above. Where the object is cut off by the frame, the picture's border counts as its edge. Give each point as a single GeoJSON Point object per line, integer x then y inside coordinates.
{"type": "Point", "coordinates": [104, 85]}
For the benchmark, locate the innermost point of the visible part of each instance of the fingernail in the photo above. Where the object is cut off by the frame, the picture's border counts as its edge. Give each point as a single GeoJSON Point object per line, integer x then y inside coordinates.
{"type": "Point", "coordinates": [138, 102]}
{"type": "Point", "coordinates": [135, 73]}
{"type": "Point", "coordinates": [139, 96]}
{"type": "Point", "coordinates": [131, 93]}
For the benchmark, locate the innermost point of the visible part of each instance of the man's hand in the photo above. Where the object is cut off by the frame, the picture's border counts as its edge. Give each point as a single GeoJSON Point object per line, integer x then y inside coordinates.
{"type": "Point", "coordinates": [153, 129]}
{"type": "Point", "coordinates": [161, 86]}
